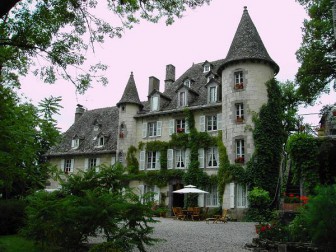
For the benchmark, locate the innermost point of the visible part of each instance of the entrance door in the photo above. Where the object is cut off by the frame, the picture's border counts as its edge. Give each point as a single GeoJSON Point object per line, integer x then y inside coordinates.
{"type": "Point", "coordinates": [178, 198]}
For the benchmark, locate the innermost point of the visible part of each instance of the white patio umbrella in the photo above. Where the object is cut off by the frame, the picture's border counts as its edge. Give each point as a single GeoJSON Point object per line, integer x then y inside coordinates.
{"type": "Point", "coordinates": [190, 189]}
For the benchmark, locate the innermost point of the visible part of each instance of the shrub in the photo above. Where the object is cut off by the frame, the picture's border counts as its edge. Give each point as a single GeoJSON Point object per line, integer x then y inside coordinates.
{"type": "Point", "coordinates": [12, 216]}
{"type": "Point", "coordinates": [259, 211]}
{"type": "Point", "coordinates": [317, 219]}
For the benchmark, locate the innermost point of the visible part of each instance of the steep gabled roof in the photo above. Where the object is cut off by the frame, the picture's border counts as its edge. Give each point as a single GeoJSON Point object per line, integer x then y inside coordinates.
{"type": "Point", "coordinates": [130, 94]}
{"type": "Point", "coordinates": [84, 129]}
{"type": "Point", "coordinates": [247, 44]}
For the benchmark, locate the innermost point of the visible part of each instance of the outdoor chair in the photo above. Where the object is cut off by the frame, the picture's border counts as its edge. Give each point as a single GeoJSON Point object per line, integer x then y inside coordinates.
{"type": "Point", "coordinates": [219, 218]}
{"type": "Point", "coordinates": [196, 213]}
{"type": "Point", "coordinates": [204, 214]}
{"type": "Point", "coordinates": [178, 214]}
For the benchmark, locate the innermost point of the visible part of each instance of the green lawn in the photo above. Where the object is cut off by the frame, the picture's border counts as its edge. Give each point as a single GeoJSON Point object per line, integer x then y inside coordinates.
{"type": "Point", "coordinates": [15, 243]}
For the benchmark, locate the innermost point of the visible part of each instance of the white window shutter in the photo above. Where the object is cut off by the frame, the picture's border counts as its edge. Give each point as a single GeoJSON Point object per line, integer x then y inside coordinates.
{"type": "Point", "coordinates": [200, 199]}
{"type": "Point", "coordinates": [72, 165]}
{"type": "Point", "coordinates": [141, 189]}
{"type": "Point", "coordinates": [170, 158]}
{"type": "Point", "coordinates": [97, 164]}
{"type": "Point", "coordinates": [232, 195]}
{"type": "Point", "coordinates": [86, 164]}
{"type": "Point", "coordinates": [201, 157]}
{"type": "Point", "coordinates": [62, 164]}
{"type": "Point", "coordinates": [187, 158]}
{"type": "Point", "coordinates": [113, 160]}
{"type": "Point", "coordinates": [142, 160]}
{"type": "Point", "coordinates": [144, 130]}
{"type": "Point", "coordinates": [219, 121]}
{"type": "Point", "coordinates": [216, 93]}
{"type": "Point", "coordinates": [217, 155]}
{"type": "Point", "coordinates": [202, 123]}
{"type": "Point", "coordinates": [171, 127]}
{"type": "Point", "coordinates": [158, 163]}
{"type": "Point", "coordinates": [187, 130]}
{"type": "Point", "coordinates": [158, 128]}
{"type": "Point", "coordinates": [157, 194]}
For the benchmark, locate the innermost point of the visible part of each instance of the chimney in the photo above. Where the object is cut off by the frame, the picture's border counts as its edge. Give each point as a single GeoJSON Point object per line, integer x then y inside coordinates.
{"type": "Point", "coordinates": [154, 83]}
{"type": "Point", "coordinates": [79, 112]}
{"type": "Point", "coordinates": [170, 76]}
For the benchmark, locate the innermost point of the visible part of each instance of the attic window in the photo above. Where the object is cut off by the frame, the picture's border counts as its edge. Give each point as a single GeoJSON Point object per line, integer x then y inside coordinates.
{"type": "Point", "coordinates": [206, 68]}
{"type": "Point", "coordinates": [154, 103]}
{"type": "Point", "coordinates": [101, 141]}
{"type": "Point", "coordinates": [182, 99]}
{"type": "Point", "coordinates": [75, 143]}
{"type": "Point", "coordinates": [187, 83]}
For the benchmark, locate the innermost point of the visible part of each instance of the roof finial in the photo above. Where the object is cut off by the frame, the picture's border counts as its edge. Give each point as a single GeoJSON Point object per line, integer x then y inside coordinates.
{"type": "Point", "coordinates": [245, 8]}
{"type": "Point", "coordinates": [132, 73]}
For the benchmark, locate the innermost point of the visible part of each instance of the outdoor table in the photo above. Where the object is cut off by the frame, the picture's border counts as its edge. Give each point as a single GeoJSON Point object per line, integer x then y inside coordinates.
{"type": "Point", "coordinates": [187, 213]}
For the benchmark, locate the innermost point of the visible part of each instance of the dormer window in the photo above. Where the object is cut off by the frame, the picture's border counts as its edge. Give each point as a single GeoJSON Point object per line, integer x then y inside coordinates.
{"type": "Point", "coordinates": [182, 99]}
{"type": "Point", "coordinates": [187, 83]}
{"type": "Point", "coordinates": [75, 143]}
{"type": "Point", "coordinates": [154, 103]}
{"type": "Point", "coordinates": [238, 80]}
{"type": "Point", "coordinates": [101, 141]}
{"type": "Point", "coordinates": [212, 94]}
{"type": "Point", "coordinates": [206, 68]}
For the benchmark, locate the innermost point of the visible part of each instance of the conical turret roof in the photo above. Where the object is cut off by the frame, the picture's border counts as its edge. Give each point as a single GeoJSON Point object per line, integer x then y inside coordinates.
{"type": "Point", "coordinates": [247, 44]}
{"type": "Point", "coordinates": [130, 94]}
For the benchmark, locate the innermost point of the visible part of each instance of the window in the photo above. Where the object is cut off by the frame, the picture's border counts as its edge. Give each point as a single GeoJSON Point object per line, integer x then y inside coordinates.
{"type": "Point", "coordinates": [240, 152]}
{"type": "Point", "coordinates": [211, 123]}
{"type": "Point", "coordinates": [239, 112]}
{"type": "Point", "coordinates": [178, 158]}
{"type": "Point", "coordinates": [150, 190]}
{"type": "Point", "coordinates": [67, 165]}
{"type": "Point", "coordinates": [151, 129]}
{"type": "Point", "coordinates": [75, 143]}
{"type": "Point", "coordinates": [92, 163]}
{"type": "Point", "coordinates": [123, 108]}
{"type": "Point", "coordinates": [239, 80]}
{"type": "Point", "coordinates": [154, 102]}
{"type": "Point", "coordinates": [122, 130]}
{"type": "Point", "coordinates": [182, 101]}
{"type": "Point", "coordinates": [149, 160]}
{"type": "Point", "coordinates": [187, 83]}
{"type": "Point", "coordinates": [180, 125]}
{"type": "Point", "coordinates": [212, 197]}
{"type": "Point", "coordinates": [120, 157]}
{"type": "Point", "coordinates": [212, 157]}
{"type": "Point", "coordinates": [101, 141]}
{"type": "Point", "coordinates": [212, 94]}
{"type": "Point", "coordinates": [206, 68]}
{"type": "Point", "coordinates": [241, 198]}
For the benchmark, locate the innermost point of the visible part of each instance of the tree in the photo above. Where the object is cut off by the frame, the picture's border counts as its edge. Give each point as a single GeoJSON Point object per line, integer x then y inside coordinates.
{"type": "Point", "coordinates": [91, 204]}
{"type": "Point", "coordinates": [317, 53]}
{"type": "Point", "coordinates": [58, 33]}
{"type": "Point", "coordinates": [26, 133]}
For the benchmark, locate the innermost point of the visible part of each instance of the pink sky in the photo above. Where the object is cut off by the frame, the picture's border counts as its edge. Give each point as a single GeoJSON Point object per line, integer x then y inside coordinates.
{"type": "Point", "coordinates": [202, 34]}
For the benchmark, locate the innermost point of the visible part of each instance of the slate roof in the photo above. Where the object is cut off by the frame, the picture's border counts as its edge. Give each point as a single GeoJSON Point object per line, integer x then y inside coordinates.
{"type": "Point", "coordinates": [106, 120]}
{"type": "Point", "coordinates": [130, 94]}
{"type": "Point", "coordinates": [197, 88]}
{"type": "Point", "coordinates": [247, 44]}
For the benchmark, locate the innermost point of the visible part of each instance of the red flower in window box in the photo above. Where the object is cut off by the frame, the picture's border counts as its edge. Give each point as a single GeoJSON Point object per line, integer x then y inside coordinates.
{"type": "Point", "coordinates": [121, 135]}
{"type": "Point", "coordinates": [240, 119]}
{"type": "Point", "coordinates": [239, 160]}
{"type": "Point", "coordinates": [179, 130]}
{"type": "Point", "coordinates": [239, 86]}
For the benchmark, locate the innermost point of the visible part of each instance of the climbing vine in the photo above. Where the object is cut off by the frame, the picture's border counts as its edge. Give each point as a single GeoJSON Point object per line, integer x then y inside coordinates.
{"type": "Point", "coordinates": [269, 137]}
{"type": "Point", "coordinates": [132, 161]}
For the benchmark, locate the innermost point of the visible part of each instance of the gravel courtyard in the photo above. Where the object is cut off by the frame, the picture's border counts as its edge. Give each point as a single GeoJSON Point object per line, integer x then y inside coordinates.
{"type": "Point", "coordinates": [189, 236]}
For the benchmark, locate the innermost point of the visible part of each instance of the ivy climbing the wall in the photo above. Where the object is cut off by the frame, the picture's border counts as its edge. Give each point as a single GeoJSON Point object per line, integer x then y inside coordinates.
{"type": "Point", "coordinates": [269, 137]}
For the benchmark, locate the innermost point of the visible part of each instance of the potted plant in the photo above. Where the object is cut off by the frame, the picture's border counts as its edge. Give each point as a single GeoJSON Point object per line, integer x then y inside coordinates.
{"type": "Point", "coordinates": [240, 160]}
{"type": "Point", "coordinates": [239, 119]}
{"type": "Point", "coordinates": [292, 203]}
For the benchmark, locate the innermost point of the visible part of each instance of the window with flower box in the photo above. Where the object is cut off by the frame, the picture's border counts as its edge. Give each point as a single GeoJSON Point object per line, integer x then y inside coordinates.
{"type": "Point", "coordinates": [238, 80]}
{"type": "Point", "coordinates": [67, 165]}
{"type": "Point", "coordinates": [178, 126]}
{"type": "Point", "coordinates": [240, 151]}
{"type": "Point", "coordinates": [239, 112]}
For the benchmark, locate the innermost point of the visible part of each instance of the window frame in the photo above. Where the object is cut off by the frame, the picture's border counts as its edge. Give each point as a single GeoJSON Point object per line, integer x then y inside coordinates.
{"type": "Point", "coordinates": [211, 123]}
{"type": "Point", "coordinates": [211, 198]}
{"type": "Point", "coordinates": [212, 157]}
{"type": "Point", "coordinates": [180, 162]}
{"type": "Point", "coordinates": [206, 68]}
{"type": "Point", "coordinates": [155, 103]}
{"type": "Point", "coordinates": [238, 77]}
{"type": "Point", "coordinates": [180, 125]}
{"type": "Point", "coordinates": [241, 196]}
{"type": "Point", "coordinates": [75, 143]}
{"type": "Point", "coordinates": [152, 129]}
{"type": "Point", "coordinates": [240, 151]}
{"type": "Point", "coordinates": [151, 160]}
{"type": "Point", "coordinates": [182, 98]}
{"type": "Point", "coordinates": [239, 112]}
